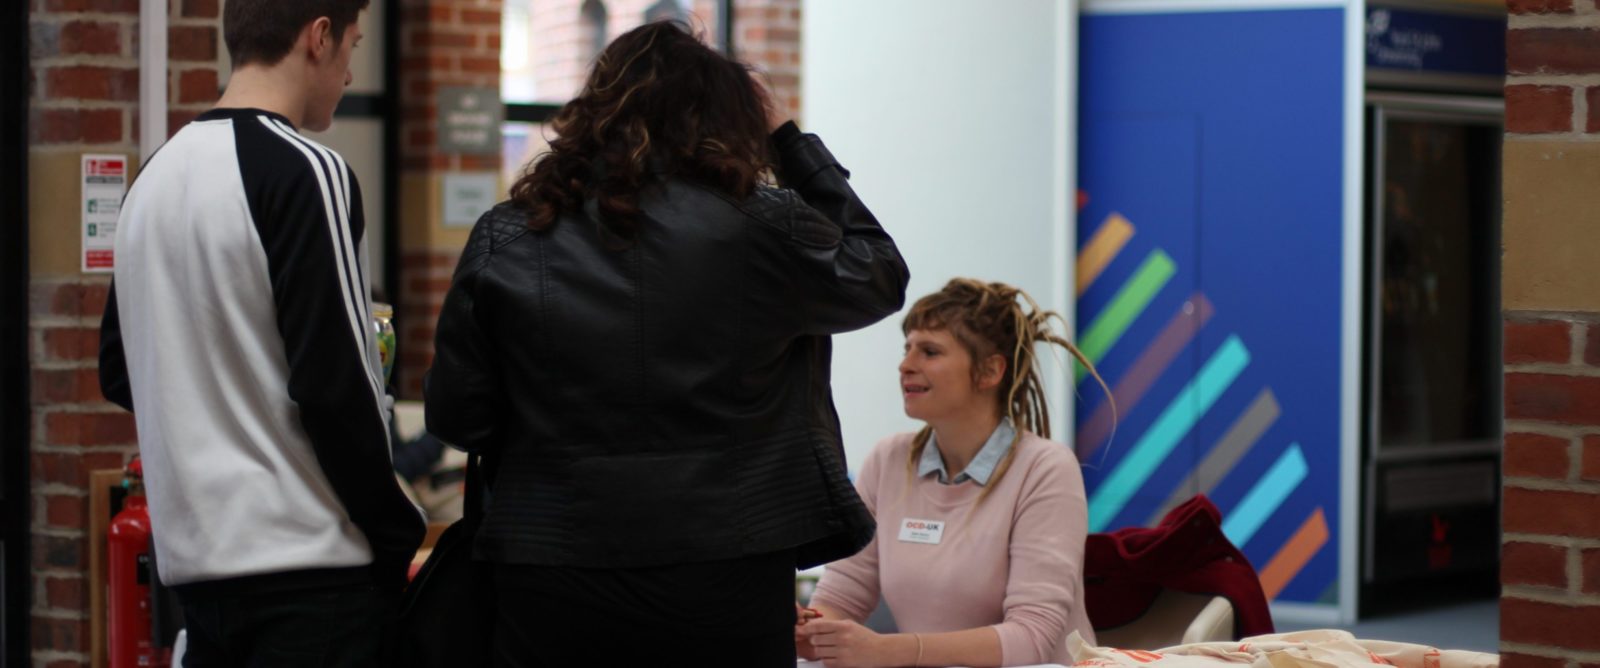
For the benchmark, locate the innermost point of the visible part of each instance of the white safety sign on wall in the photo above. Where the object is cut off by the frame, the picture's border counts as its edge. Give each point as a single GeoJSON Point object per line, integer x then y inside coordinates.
{"type": "Point", "coordinates": [105, 180]}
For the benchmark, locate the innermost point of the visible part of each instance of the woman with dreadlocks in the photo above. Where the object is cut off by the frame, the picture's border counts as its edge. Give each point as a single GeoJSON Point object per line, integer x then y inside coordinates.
{"type": "Point", "coordinates": [981, 518]}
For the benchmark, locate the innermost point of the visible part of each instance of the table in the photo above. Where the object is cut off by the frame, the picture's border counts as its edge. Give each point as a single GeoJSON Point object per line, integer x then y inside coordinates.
{"type": "Point", "coordinates": [818, 664]}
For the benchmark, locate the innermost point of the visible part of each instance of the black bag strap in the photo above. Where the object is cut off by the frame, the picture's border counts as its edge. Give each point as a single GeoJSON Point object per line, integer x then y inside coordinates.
{"type": "Point", "coordinates": [472, 506]}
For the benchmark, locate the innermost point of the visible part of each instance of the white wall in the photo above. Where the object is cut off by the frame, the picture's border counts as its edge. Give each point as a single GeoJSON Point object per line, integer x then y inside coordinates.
{"type": "Point", "coordinates": [955, 119]}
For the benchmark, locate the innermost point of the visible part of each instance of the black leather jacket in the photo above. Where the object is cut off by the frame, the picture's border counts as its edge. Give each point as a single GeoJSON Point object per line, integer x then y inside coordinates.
{"type": "Point", "coordinates": [670, 402]}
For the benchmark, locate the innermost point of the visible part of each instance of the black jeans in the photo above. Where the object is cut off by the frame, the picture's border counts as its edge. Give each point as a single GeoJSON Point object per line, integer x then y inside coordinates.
{"type": "Point", "coordinates": [330, 626]}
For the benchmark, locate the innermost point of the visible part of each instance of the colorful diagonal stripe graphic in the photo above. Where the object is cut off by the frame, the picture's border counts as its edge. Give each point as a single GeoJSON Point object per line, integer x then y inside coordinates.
{"type": "Point", "coordinates": [1098, 253]}
{"type": "Point", "coordinates": [1152, 363]}
{"type": "Point", "coordinates": [1225, 454]}
{"type": "Point", "coordinates": [1294, 555]}
{"type": "Point", "coordinates": [1265, 496]}
{"type": "Point", "coordinates": [1152, 448]}
{"type": "Point", "coordinates": [1131, 474]}
{"type": "Point", "coordinates": [1126, 306]}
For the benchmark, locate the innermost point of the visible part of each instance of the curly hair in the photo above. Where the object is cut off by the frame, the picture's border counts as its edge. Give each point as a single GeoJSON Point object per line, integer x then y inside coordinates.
{"type": "Point", "coordinates": [997, 319]}
{"type": "Point", "coordinates": [658, 103]}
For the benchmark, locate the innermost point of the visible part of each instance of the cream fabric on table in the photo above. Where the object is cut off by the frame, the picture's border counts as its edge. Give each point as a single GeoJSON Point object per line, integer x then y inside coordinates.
{"type": "Point", "coordinates": [818, 664]}
{"type": "Point", "coordinates": [1303, 649]}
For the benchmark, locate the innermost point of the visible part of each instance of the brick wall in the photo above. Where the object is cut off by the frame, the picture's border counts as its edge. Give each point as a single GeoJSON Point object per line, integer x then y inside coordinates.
{"type": "Point", "coordinates": [424, 280]}
{"type": "Point", "coordinates": [85, 93]}
{"type": "Point", "coordinates": [74, 432]}
{"type": "Point", "coordinates": [767, 35]}
{"type": "Point", "coordinates": [194, 48]}
{"type": "Point", "coordinates": [1550, 571]}
{"type": "Point", "coordinates": [444, 43]}
{"type": "Point", "coordinates": [1553, 57]}
{"type": "Point", "coordinates": [1551, 555]}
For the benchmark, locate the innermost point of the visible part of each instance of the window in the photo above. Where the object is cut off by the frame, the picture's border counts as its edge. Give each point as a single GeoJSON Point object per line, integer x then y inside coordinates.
{"type": "Point", "coordinates": [516, 63]}
{"type": "Point", "coordinates": [666, 10]}
{"type": "Point", "coordinates": [592, 28]}
{"type": "Point", "coordinates": [548, 46]}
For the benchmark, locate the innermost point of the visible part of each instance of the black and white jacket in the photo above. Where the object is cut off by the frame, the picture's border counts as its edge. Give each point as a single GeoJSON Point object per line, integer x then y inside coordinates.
{"type": "Point", "coordinates": [238, 331]}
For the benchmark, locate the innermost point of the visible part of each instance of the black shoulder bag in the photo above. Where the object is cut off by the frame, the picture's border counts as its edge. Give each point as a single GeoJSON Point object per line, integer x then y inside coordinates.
{"type": "Point", "coordinates": [447, 618]}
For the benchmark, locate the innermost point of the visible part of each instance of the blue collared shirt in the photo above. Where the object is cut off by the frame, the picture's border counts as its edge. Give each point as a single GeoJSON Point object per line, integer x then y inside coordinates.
{"type": "Point", "coordinates": [982, 466]}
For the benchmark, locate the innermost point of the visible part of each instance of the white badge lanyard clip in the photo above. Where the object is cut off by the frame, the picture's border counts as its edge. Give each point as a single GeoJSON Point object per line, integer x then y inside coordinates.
{"type": "Point", "coordinates": [927, 532]}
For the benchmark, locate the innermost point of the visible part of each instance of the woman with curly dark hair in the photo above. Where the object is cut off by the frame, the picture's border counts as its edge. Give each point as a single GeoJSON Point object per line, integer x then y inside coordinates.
{"type": "Point", "coordinates": [638, 345]}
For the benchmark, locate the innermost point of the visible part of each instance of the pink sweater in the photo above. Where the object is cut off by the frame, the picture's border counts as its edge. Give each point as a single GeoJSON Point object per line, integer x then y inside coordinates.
{"type": "Point", "coordinates": [1014, 562]}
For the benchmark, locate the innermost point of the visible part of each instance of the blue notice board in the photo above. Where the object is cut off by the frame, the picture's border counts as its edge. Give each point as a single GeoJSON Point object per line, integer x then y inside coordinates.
{"type": "Point", "coordinates": [1408, 40]}
{"type": "Point", "coordinates": [1211, 160]}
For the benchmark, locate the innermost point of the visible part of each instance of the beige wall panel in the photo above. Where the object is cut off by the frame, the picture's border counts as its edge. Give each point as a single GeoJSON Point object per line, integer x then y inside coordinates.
{"type": "Point", "coordinates": [421, 218]}
{"type": "Point", "coordinates": [1551, 226]}
{"type": "Point", "coordinates": [55, 187]}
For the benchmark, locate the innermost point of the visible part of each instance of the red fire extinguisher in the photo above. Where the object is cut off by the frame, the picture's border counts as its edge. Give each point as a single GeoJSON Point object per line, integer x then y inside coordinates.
{"type": "Point", "coordinates": [130, 643]}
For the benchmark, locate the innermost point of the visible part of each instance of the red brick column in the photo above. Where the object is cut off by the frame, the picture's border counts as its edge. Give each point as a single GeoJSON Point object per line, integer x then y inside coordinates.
{"type": "Point", "coordinates": [445, 43]}
{"type": "Point", "coordinates": [1550, 563]}
{"type": "Point", "coordinates": [85, 94]}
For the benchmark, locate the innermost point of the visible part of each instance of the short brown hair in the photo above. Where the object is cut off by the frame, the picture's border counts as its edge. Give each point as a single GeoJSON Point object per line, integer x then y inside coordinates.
{"type": "Point", "coordinates": [263, 31]}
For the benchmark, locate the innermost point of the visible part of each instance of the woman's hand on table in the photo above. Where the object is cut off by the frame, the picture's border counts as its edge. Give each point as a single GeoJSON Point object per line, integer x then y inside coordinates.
{"type": "Point", "coordinates": [846, 644]}
{"type": "Point", "coordinates": [802, 646]}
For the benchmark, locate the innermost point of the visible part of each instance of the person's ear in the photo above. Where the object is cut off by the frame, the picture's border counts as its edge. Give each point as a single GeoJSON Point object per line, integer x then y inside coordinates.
{"type": "Point", "coordinates": [991, 371]}
{"type": "Point", "coordinates": [319, 37]}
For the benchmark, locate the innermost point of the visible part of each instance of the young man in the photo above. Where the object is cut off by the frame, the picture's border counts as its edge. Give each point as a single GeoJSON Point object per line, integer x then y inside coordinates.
{"type": "Point", "coordinates": [239, 332]}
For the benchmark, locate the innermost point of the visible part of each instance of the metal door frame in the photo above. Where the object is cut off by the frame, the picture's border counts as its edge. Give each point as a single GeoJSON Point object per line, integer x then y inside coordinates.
{"type": "Point", "coordinates": [15, 434]}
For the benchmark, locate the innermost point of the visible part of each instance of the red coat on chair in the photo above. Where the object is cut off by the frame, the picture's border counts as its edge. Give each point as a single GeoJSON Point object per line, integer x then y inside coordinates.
{"type": "Point", "coordinates": [1125, 570]}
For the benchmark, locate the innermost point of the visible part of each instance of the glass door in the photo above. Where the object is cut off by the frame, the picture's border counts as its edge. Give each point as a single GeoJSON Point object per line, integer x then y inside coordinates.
{"type": "Point", "coordinates": [1432, 482]}
{"type": "Point", "coordinates": [1436, 221]}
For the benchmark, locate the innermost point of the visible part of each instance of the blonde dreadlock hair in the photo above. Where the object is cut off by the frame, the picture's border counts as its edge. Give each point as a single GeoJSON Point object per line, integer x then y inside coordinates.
{"type": "Point", "coordinates": [996, 318]}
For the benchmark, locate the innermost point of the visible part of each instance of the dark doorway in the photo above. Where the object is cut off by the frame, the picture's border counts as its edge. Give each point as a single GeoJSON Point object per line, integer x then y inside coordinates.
{"type": "Point", "coordinates": [14, 433]}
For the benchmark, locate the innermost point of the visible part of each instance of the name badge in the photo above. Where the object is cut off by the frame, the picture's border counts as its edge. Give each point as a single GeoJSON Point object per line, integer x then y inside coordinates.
{"type": "Point", "coordinates": [921, 531]}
